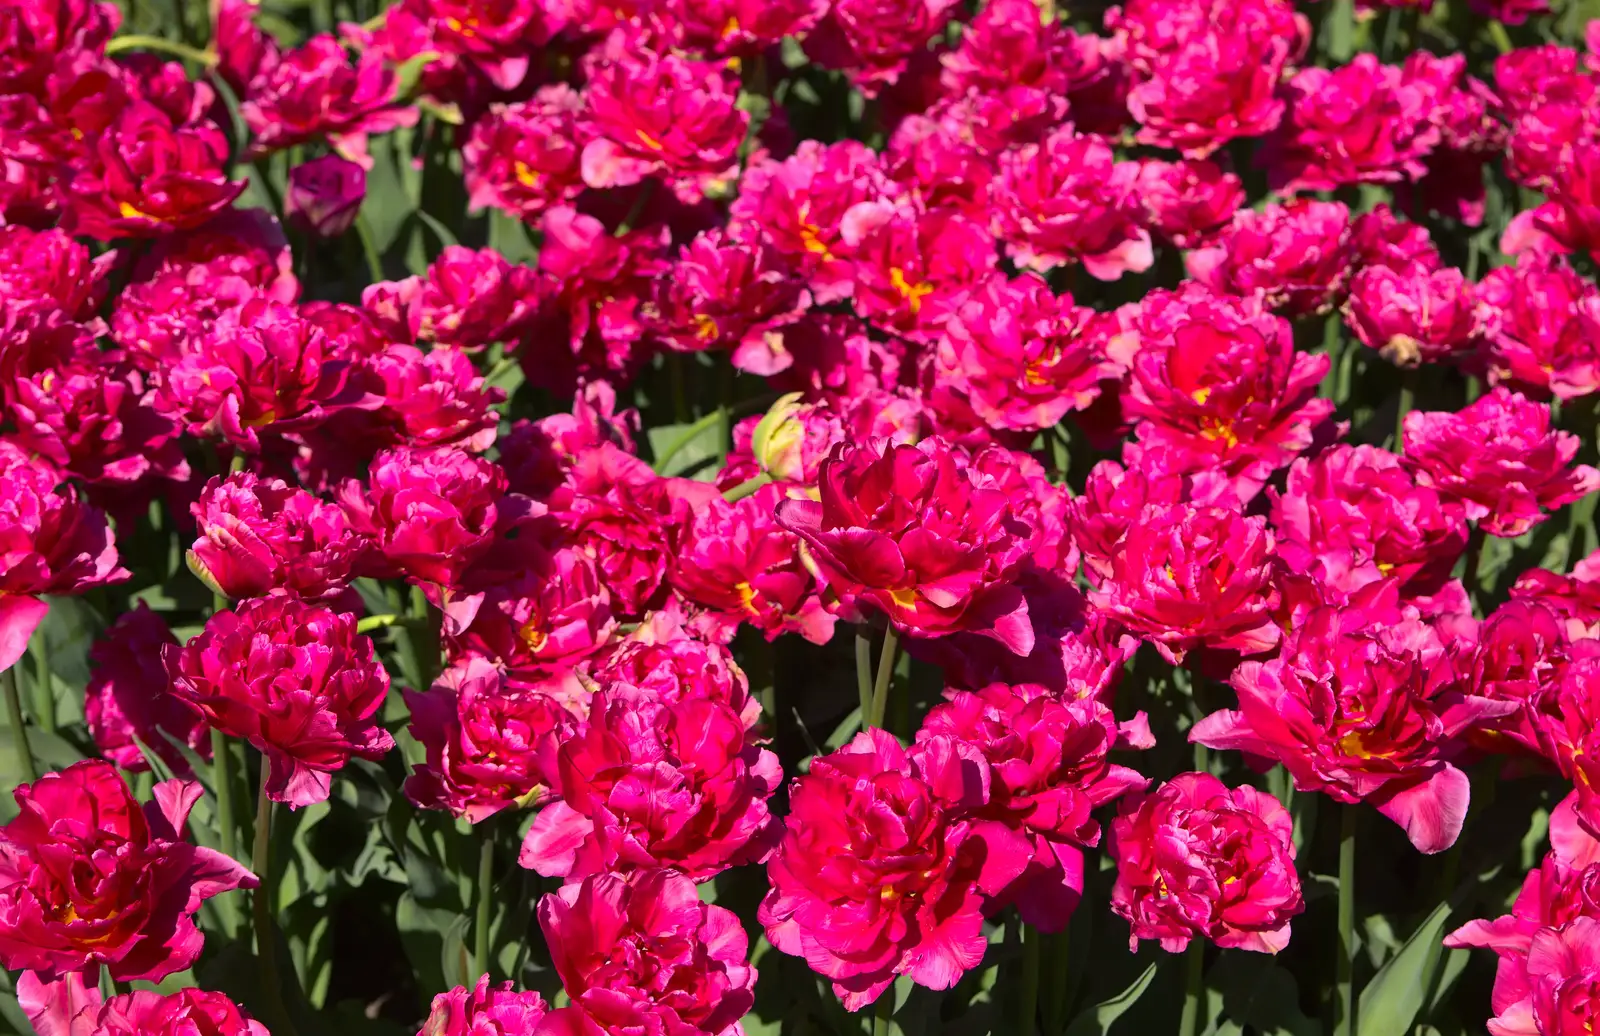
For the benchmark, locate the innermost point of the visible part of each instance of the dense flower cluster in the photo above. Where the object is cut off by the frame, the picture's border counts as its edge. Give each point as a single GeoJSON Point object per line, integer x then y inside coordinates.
{"type": "Point", "coordinates": [1174, 363]}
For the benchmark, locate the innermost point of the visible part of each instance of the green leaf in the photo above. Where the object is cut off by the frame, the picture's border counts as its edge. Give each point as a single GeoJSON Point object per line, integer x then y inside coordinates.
{"type": "Point", "coordinates": [689, 450]}
{"type": "Point", "coordinates": [1097, 1020]}
{"type": "Point", "coordinates": [1390, 1002]}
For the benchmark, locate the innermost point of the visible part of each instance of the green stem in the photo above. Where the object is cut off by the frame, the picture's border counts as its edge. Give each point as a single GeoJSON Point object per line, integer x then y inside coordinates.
{"type": "Point", "coordinates": [1469, 575]}
{"type": "Point", "coordinates": [203, 58]}
{"type": "Point", "coordinates": [1028, 1001]}
{"type": "Point", "coordinates": [1341, 30]}
{"type": "Point", "coordinates": [864, 672]}
{"type": "Point", "coordinates": [1195, 963]}
{"type": "Point", "coordinates": [480, 927]}
{"type": "Point", "coordinates": [1055, 997]}
{"type": "Point", "coordinates": [44, 708]}
{"type": "Point", "coordinates": [369, 248]}
{"type": "Point", "coordinates": [1408, 398]}
{"type": "Point", "coordinates": [680, 401]}
{"type": "Point", "coordinates": [19, 730]}
{"type": "Point", "coordinates": [1333, 348]}
{"type": "Point", "coordinates": [689, 433]}
{"type": "Point", "coordinates": [261, 909]}
{"type": "Point", "coordinates": [222, 787]}
{"type": "Point", "coordinates": [745, 488]}
{"type": "Point", "coordinates": [883, 1012]}
{"type": "Point", "coordinates": [1497, 33]}
{"type": "Point", "coordinates": [880, 689]}
{"type": "Point", "coordinates": [376, 622]}
{"type": "Point", "coordinates": [640, 200]}
{"type": "Point", "coordinates": [1348, 816]}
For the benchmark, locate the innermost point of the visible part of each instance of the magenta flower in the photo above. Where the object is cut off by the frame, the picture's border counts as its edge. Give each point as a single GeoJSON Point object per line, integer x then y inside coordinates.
{"type": "Point", "coordinates": [907, 531]}
{"type": "Point", "coordinates": [1209, 88]}
{"type": "Point", "coordinates": [874, 40]}
{"type": "Point", "coordinates": [1512, 12]}
{"type": "Point", "coordinates": [93, 417]}
{"type": "Point", "coordinates": [1541, 323]}
{"type": "Point", "coordinates": [655, 784]}
{"type": "Point", "coordinates": [1573, 733]}
{"type": "Point", "coordinates": [66, 1008]}
{"type": "Point", "coordinates": [260, 537]}
{"type": "Point", "coordinates": [51, 542]}
{"type": "Point", "coordinates": [911, 268]}
{"type": "Point", "coordinates": [430, 512]}
{"type": "Point", "coordinates": [1500, 458]}
{"type": "Point", "coordinates": [496, 38]}
{"type": "Point", "coordinates": [489, 746]}
{"type": "Point", "coordinates": [876, 877]}
{"type": "Point", "coordinates": [1197, 859]}
{"type": "Point", "coordinates": [1296, 257]}
{"type": "Point", "coordinates": [644, 954]}
{"type": "Point", "coordinates": [1185, 202]}
{"type": "Point", "coordinates": [88, 877]}
{"type": "Point", "coordinates": [127, 700]}
{"type": "Point", "coordinates": [151, 177]}
{"type": "Point", "coordinates": [1048, 771]}
{"type": "Point", "coordinates": [801, 205]}
{"type": "Point", "coordinates": [263, 369]}
{"type": "Point", "coordinates": [1362, 714]}
{"type": "Point", "coordinates": [1562, 889]}
{"type": "Point", "coordinates": [586, 321]}
{"type": "Point", "coordinates": [1023, 356]}
{"type": "Point", "coordinates": [740, 562]}
{"type": "Point", "coordinates": [485, 1010]}
{"type": "Point", "coordinates": [1069, 200]}
{"type": "Point", "coordinates": [524, 158]}
{"type": "Point", "coordinates": [1362, 122]}
{"type": "Point", "coordinates": [1355, 515]}
{"type": "Point", "coordinates": [1216, 384]}
{"type": "Point", "coordinates": [554, 614]}
{"type": "Point", "coordinates": [293, 679]}
{"type": "Point", "coordinates": [1412, 318]}
{"type": "Point", "coordinates": [726, 294]}
{"type": "Point", "coordinates": [1077, 653]}
{"type": "Point", "coordinates": [664, 661]}
{"type": "Point", "coordinates": [740, 27]}
{"type": "Point", "coordinates": [324, 195]}
{"type": "Point", "coordinates": [663, 116]}
{"type": "Point", "coordinates": [1188, 578]}
{"type": "Point", "coordinates": [1522, 655]}
{"type": "Point", "coordinates": [470, 299]}
{"type": "Point", "coordinates": [313, 91]}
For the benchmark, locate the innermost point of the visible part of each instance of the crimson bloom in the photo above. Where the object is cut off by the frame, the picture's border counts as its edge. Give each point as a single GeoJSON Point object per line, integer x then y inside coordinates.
{"type": "Point", "coordinates": [489, 746]}
{"type": "Point", "coordinates": [296, 681]}
{"type": "Point", "coordinates": [66, 1008]}
{"type": "Point", "coordinates": [51, 542]}
{"type": "Point", "coordinates": [1500, 458]}
{"type": "Point", "coordinates": [875, 876]}
{"type": "Point", "coordinates": [152, 177]}
{"type": "Point", "coordinates": [485, 1010]}
{"type": "Point", "coordinates": [1195, 858]}
{"type": "Point", "coordinates": [1188, 578]}
{"type": "Point", "coordinates": [259, 537]}
{"type": "Point", "coordinates": [910, 532]}
{"type": "Point", "coordinates": [314, 91]}
{"type": "Point", "coordinates": [738, 560]}
{"type": "Point", "coordinates": [652, 784]}
{"type": "Point", "coordinates": [1067, 200]}
{"type": "Point", "coordinates": [644, 954]}
{"type": "Point", "coordinates": [662, 115]}
{"type": "Point", "coordinates": [1363, 714]}
{"type": "Point", "coordinates": [88, 877]}
{"type": "Point", "coordinates": [1022, 355]}
{"type": "Point", "coordinates": [128, 701]}
{"type": "Point", "coordinates": [1048, 771]}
